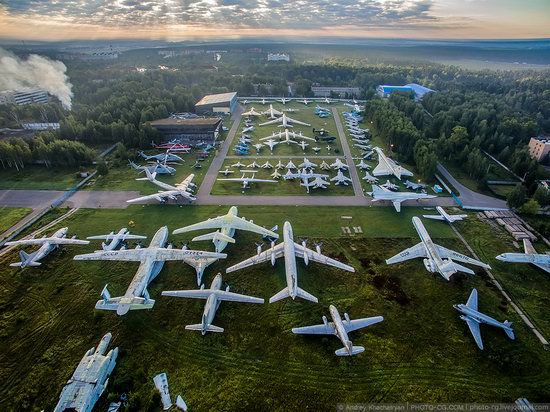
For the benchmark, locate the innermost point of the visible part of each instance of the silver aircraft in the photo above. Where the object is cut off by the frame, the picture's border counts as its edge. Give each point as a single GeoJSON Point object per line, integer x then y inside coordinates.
{"type": "Point", "coordinates": [114, 239]}
{"type": "Point", "coordinates": [151, 261]}
{"type": "Point", "coordinates": [182, 189]}
{"type": "Point", "coordinates": [445, 216]}
{"type": "Point", "coordinates": [214, 296]}
{"type": "Point", "coordinates": [285, 122]}
{"type": "Point", "coordinates": [290, 250]}
{"type": "Point", "coordinates": [226, 225]}
{"type": "Point", "coordinates": [340, 328]}
{"type": "Point", "coordinates": [540, 260]}
{"type": "Point", "coordinates": [47, 246]}
{"type": "Point", "coordinates": [388, 167]}
{"type": "Point", "coordinates": [381, 193]}
{"type": "Point", "coordinates": [436, 258]}
{"type": "Point", "coordinates": [474, 318]}
{"type": "Point", "coordinates": [304, 175]}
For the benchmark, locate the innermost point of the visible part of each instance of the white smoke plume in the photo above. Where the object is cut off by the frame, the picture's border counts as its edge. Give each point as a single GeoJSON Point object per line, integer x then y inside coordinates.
{"type": "Point", "coordinates": [37, 72]}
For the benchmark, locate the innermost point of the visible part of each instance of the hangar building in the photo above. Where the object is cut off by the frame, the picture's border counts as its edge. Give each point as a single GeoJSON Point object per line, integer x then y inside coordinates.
{"type": "Point", "coordinates": [217, 103]}
{"type": "Point", "coordinates": [189, 131]}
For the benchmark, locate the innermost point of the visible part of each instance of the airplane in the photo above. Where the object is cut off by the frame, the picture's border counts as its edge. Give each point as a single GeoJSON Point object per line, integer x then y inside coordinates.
{"type": "Point", "coordinates": [324, 165]}
{"type": "Point", "coordinates": [445, 216]}
{"type": "Point", "coordinates": [327, 100]}
{"type": "Point", "coordinates": [280, 165]}
{"type": "Point", "coordinates": [381, 193]}
{"type": "Point", "coordinates": [199, 263]}
{"type": "Point", "coordinates": [355, 107]}
{"type": "Point", "coordinates": [247, 129]}
{"type": "Point", "coordinates": [341, 179]}
{"type": "Point", "coordinates": [328, 139]}
{"type": "Point", "coordinates": [151, 260]}
{"type": "Point", "coordinates": [271, 144]}
{"type": "Point", "coordinates": [290, 250]}
{"type": "Point", "coordinates": [276, 174]}
{"type": "Point", "coordinates": [387, 166]}
{"type": "Point", "coordinates": [285, 121]}
{"type": "Point", "coordinates": [258, 146]}
{"type": "Point", "coordinates": [413, 185]}
{"type": "Point", "coordinates": [226, 225]}
{"type": "Point", "coordinates": [307, 164]}
{"type": "Point", "coordinates": [370, 178]}
{"type": "Point", "coordinates": [162, 157]}
{"type": "Point", "coordinates": [323, 115]}
{"type": "Point", "coordinates": [286, 136]}
{"type": "Point", "coordinates": [160, 168]}
{"type": "Point", "coordinates": [290, 165]}
{"type": "Point", "coordinates": [252, 112]}
{"type": "Point", "coordinates": [213, 296]}
{"type": "Point", "coordinates": [390, 186]}
{"type": "Point", "coordinates": [226, 171]}
{"type": "Point", "coordinates": [541, 260]}
{"type": "Point", "coordinates": [245, 180]}
{"type": "Point", "coordinates": [47, 246]}
{"type": "Point", "coordinates": [283, 100]}
{"type": "Point", "coordinates": [197, 165]}
{"type": "Point", "coordinates": [362, 146]}
{"type": "Point", "coordinates": [241, 151]}
{"type": "Point", "coordinates": [340, 328]}
{"type": "Point", "coordinates": [182, 189]}
{"type": "Point", "coordinates": [329, 148]}
{"type": "Point", "coordinates": [362, 165]}
{"type": "Point", "coordinates": [238, 165]}
{"type": "Point", "coordinates": [115, 239]}
{"type": "Point", "coordinates": [245, 139]}
{"type": "Point", "coordinates": [304, 101]}
{"type": "Point", "coordinates": [172, 146]}
{"type": "Point", "coordinates": [263, 101]}
{"type": "Point", "coordinates": [272, 113]}
{"type": "Point", "coordinates": [267, 165]}
{"type": "Point", "coordinates": [254, 165]}
{"type": "Point", "coordinates": [319, 110]}
{"type": "Point", "coordinates": [338, 164]}
{"type": "Point", "coordinates": [319, 183]}
{"type": "Point", "coordinates": [304, 176]}
{"type": "Point", "coordinates": [473, 318]}
{"type": "Point", "coordinates": [316, 149]}
{"type": "Point", "coordinates": [436, 258]}
{"type": "Point", "coordinates": [367, 155]}
{"type": "Point", "coordinates": [303, 145]}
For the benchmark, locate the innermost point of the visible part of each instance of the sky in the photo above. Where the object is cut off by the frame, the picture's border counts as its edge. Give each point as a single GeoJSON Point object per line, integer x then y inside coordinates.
{"type": "Point", "coordinates": [176, 20]}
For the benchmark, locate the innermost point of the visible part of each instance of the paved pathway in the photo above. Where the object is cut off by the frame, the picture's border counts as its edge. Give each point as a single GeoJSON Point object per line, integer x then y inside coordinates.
{"type": "Point", "coordinates": [34, 199]}
{"type": "Point", "coordinates": [98, 199]}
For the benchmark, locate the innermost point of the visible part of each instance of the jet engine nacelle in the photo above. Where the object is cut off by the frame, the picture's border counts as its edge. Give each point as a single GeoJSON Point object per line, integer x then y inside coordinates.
{"type": "Point", "coordinates": [325, 321]}
{"type": "Point", "coordinates": [272, 254]}
{"type": "Point", "coordinates": [346, 316]}
{"type": "Point", "coordinates": [306, 257]}
{"type": "Point", "coordinates": [430, 267]}
{"type": "Point", "coordinates": [318, 248]}
{"type": "Point", "coordinates": [258, 248]}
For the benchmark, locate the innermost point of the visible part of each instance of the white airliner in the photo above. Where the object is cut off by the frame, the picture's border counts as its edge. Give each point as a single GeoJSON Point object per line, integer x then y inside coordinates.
{"type": "Point", "coordinates": [436, 258]}
{"type": "Point", "coordinates": [114, 239]}
{"type": "Point", "coordinates": [341, 179]}
{"type": "Point", "coordinates": [285, 121]}
{"type": "Point", "coordinates": [340, 328]}
{"type": "Point", "coordinates": [445, 216]}
{"type": "Point", "coordinates": [387, 166]}
{"type": "Point", "coordinates": [151, 261]}
{"type": "Point", "coordinates": [290, 250]}
{"type": "Point", "coordinates": [272, 113]}
{"type": "Point", "coordinates": [541, 260]}
{"type": "Point", "coordinates": [285, 137]}
{"type": "Point", "coordinates": [47, 245]}
{"type": "Point", "coordinates": [381, 193]}
{"type": "Point", "coordinates": [182, 189]}
{"type": "Point", "coordinates": [213, 296]}
{"type": "Point", "coordinates": [226, 225]}
{"type": "Point", "coordinates": [474, 318]}
{"type": "Point", "coordinates": [246, 180]}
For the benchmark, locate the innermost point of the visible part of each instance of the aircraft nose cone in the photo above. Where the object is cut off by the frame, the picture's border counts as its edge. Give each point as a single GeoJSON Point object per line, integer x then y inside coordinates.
{"type": "Point", "coordinates": [122, 309]}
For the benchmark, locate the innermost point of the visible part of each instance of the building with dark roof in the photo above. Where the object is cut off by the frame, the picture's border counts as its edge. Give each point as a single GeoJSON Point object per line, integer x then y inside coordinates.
{"type": "Point", "coordinates": [189, 131]}
{"type": "Point", "coordinates": [217, 103]}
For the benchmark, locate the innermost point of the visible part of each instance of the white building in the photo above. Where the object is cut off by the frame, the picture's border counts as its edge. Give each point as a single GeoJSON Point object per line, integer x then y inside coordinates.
{"type": "Point", "coordinates": [278, 57]}
{"type": "Point", "coordinates": [25, 96]}
{"type": "Point", "coordinates": [539, 147]}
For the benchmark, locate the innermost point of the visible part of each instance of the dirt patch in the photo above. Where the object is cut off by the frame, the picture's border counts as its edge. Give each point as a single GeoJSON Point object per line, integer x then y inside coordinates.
{"type": "Point", "coordinates": [390, 286]}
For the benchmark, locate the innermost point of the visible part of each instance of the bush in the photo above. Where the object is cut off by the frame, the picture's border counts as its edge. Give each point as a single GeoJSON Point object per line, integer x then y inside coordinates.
{"type": "Point", "coordinates": [102, 168]}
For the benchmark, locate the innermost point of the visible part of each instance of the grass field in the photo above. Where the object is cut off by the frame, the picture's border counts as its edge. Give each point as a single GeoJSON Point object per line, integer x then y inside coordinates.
{"type": "Point", "coordinates": [39, 178]}
{"type": "Point", "coordinates": [422, 352]}
{"type": "Point", "coordinates": [9, 216]}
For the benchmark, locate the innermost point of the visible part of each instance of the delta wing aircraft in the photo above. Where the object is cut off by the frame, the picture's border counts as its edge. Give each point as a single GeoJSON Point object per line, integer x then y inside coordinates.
{"type": "Point", "coordinates": [381, 193]}
{"type": "Point", "coordinates": [290, 250]}
{"type": "Point", "coordinates": [213, 296]}
{"type": "Point", "coordinates": [340, 328]}
{"type": "Point", "coordinates": [47, 246]}
{"type": "Point", "coordinates": [445, 216]}
{"type": "Point", "coordinates": [474, 318]}
{"type": "Point", "coordinates": [246, 180]}
{"type": "Point", "coordinates": [114, 239]}
{"type": "Point", "coordinates": [285, 121]}
{"type": "Point", "coordinates": [541, 260]}
{"type": "Point", "coordinates": [182, 189]}
{"type": "Point", "coordinates": [226, 225]}
{"type": "Point", "coordinates": [436, 258]}
{"type": "Point", "coordinates": [151, 261]}
{"type": "Point", "coordinates": [387, 166]}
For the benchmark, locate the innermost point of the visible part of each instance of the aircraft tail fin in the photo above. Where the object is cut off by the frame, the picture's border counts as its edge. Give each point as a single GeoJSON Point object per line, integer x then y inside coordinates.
{"type": "Point", "coordinates": [354, 351]}
{"type": "Point", "coordinates": [123, 305]}
{"type": "Point", "coordinates": [26, 260]}
{"type": "Point", "coordinates": [209, 328]}
{"type": "Point", "coordinates": [509, 331]}
{"type": "Point", "coordinates": [305, 295]}
{"type": "Point", "coordinates": [281, 295]}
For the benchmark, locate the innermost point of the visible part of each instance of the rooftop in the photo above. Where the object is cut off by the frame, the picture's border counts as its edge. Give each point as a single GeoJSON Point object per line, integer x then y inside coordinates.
{"type": "Point", "coordinates": [216, 98]}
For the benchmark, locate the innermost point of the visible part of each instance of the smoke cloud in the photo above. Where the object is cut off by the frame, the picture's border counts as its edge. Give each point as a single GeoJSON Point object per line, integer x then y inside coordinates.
{"type": "Point", "coordinates": [37, 72]}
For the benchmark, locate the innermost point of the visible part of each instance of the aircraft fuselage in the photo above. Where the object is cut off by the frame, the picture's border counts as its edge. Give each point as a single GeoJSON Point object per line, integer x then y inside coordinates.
{"type": "Point", "coordinates": [479, 317]}
{"type": "Point", "coordinates": [435, 261]}
{"type": "Point", "coordinates": [290, 260]}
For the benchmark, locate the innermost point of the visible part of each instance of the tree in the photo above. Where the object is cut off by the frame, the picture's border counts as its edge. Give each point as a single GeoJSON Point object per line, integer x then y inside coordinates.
{"type": "Point", "coordinates": [531, 207]}
{"type": "Point", "coordinates": [517, 197]}
{"type": "Point", "coordinates": [542, 195]}
{"type": "Point", "coordinates": [102, 168]}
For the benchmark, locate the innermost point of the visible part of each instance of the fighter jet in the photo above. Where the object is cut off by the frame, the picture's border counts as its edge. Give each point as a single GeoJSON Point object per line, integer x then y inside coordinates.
{"type": "Point", "coordinates": [160, 168]}
{"type": "Point", "coordinates": [324, 165]}
{"type": "Point", "coordinates": [238, 165]}
{"type": "Point", "coordinates": [283, 100]}
{"type": "Point", "coordinates": [226, 171]}
{"type": "Point", "coordinates": [285, 121]}
{"type": "Point", "coordinates": [362, 165]}
{"type": "Point", "coordinates": [47, 246]}
{"type": "Point", "coordinates": [276, 174]}
{"type": "Point", "coordinates": [316, 149]}
{"type": "Point", "coordinates": [247, 129]}
{"type": "Point", "coordinates": [303, 145]}
{"type": "Point", "coordinates": [213, 296]}
{"type": "Point", "coordinates": [114, 239]}
{"type": "Point", "coordinates": [271, 144]}
{"type": "Point", "coordinates": [267, 165]}
{"type": "Point", "coordinates": [445, 216]}
{"type": "Point", "coordinates": [258, 147]}
{"type": "Point", "coordinates": [473, 318]}
{"type": "Point", "coordinates": [280, 165]}
{"type": "Point", "coordinates": [338, 164]}
{"type": "Point", "coordinates": [541, 260]}
{"type": "Point", "coordinates": [199, 263]}
{"type": "Point", "coordinates": [340, 328]}
{"type": "Point", "coordinates": [89, 379]}
{"type": "Point", "coordinates": [413, 185]}
{"type": "Point", "coordinates": [387, 166]}
{"type": "Point", "coordinates": [290, 250]}
{"type": "Point", "coordinates": [307, 164]}
{"type": "Point", "coordinates": [305, 101]}
{"type": "Point", "coordinates": [319, 183]}
{"type": "Point", "coordinates": [226, 225]}
{"type": "Point", "coordinates": [252, 112]}
{"type": "Point", "coordinates": [163, 157]}
{"type": "Point", "coordinates": [182, 189]}
{"type": "Point", "coordinates": [272, 113]}
{"type": "Point", "coordinates": [390, 186]}
{"type": "Point", "coordinates": [380, 193]}
{"type": "Point", "coordinates": [370, 178]}
{"type": "Point", "coordinates": [151, 261]}
{"type": "Point", "coordinates": [341, 179]}
{"type": "Point", "coordinates": [290, 165]}
{"type": "Point", "coordinates": [254, 165]}
{"type": "Point", "coordinates": [246, 180]}
{"type": "Point", "coordinates": [304, 176]}
{"type": "Point", "coordinates": [436, 258]}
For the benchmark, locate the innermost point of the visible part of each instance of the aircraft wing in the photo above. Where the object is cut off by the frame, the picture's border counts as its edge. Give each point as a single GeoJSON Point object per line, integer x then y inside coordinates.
{"type": "Point", "coordinates": [194, 294]}
{"type": "Point", "coordinates": [320, 258]}
{"type": "Point", "coordinates": [361, 323]}
{"type": "Point", "coordinates": [254, 180]}
{"type": "Point", "coordinates": [528, 247]}
{"type": "Point", "coordinates": [215, 223]}
{"type": "Point", "coordinates": [264, 256]}
{"type": "Point", "coordinates": [434, 217]}
{"type": "Point", "coordinates": [277, 120]}
{"type": "Point", "coordinates": [472, 300]}
{"type": "Point", "coordinates": [157, 254]}
{"type": "Point", "coordinates": [451, 254]}
{"type": "Point", "coordinates": [54, 240]}
{"type": "Point", "coordinates": [397, 204]}
{"type": "Point", "coordinates": [186, 182]}
{"type": "Point", "coordinates": [235, 297]}
{"type": "Point", "coordinates": [322, 329]}
{"type": "Point", "coordinates": [243, 224]}
{"type": "Point", "coordinates": [474, 328]}
{"type": "Point", "coordinates": [382, 169]}
{"type": "Point", "coordinates": [133, 237]}
{"type": "Point", "coordinates": [162, 195]}
{"type": "Point", "coordinates": [298, 122]}
{"type": "Point", "coordinates": [416, 251]}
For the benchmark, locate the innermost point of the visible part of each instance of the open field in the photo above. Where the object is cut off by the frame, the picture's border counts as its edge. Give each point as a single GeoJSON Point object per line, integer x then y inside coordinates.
{"type": "Point", "coordinates": [422, 351]}
{"type": "Point", "coordinates": [39, 177]}
{"type": "Point", "coordinates": [9, 216]}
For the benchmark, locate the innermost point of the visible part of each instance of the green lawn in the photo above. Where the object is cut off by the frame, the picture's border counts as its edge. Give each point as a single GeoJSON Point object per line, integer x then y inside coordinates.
{"type": "Point", "coordinates": [422, 352]}
{"type": "Point", "coordinates": [9, 216]}
{"type": "Point", "coordinates": [40, 178]}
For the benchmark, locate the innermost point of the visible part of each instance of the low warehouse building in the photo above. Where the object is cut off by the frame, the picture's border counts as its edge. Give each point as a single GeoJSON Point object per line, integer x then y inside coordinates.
{"type": "Point", "coordinates": [189, 131]}
{"type": "Point", "coordinates": [217, 103]}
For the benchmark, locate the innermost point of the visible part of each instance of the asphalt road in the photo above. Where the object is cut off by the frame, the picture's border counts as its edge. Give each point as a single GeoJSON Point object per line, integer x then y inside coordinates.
{"type": "Point", "coordinates": [34, 199]}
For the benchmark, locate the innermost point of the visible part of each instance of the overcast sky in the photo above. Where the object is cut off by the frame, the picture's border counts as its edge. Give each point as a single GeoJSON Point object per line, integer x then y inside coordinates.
{"type": "Point", "coordinates": [191, 19]}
